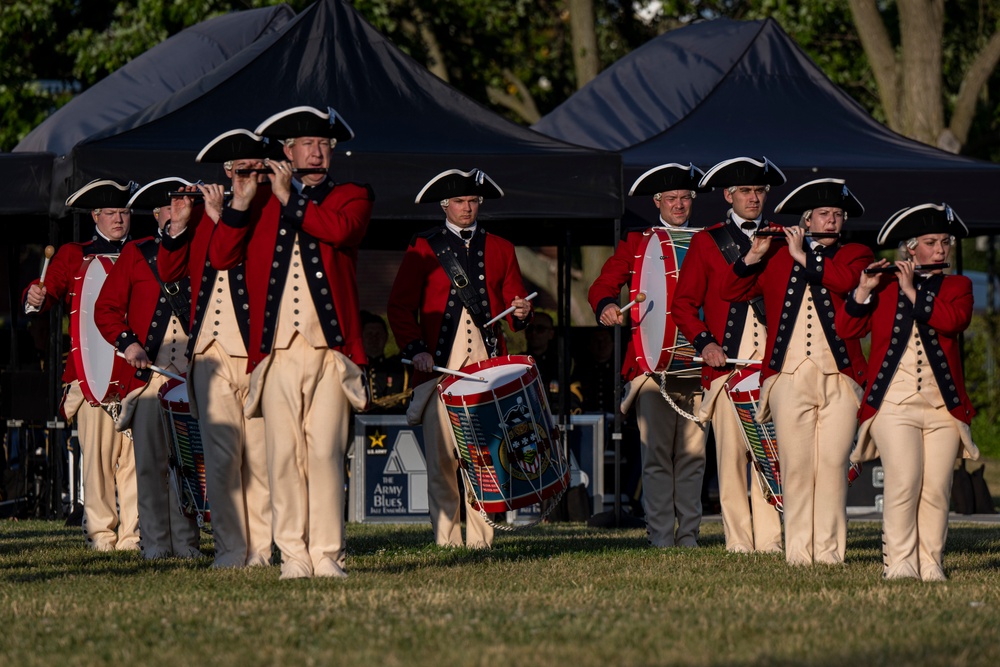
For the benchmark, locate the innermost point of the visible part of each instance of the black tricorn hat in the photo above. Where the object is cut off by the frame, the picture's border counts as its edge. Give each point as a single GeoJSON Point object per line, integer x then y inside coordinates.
{"type": "Point", "coordinates": [456, 183]}
{"type": "Point", "coordinates": [742, 171]}
{"type": "Point", "coordinates": [154, 194]}
{"type": "Point", "coordinates": [916, 221]}
{"type": "Point", "coordinates": [102, 194]}
{"type": "Point", "coordinates": [821, 193]}
{"type": "Point", "coordinates": [240, 145]}
{"type": "Point", "coordinates": [668, 177]}
{"type": "Point", "coordinates": [306, 121]}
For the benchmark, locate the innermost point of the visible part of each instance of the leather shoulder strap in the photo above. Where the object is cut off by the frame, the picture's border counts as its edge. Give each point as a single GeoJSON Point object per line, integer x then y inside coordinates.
{"type": "Point", "coordinates": [177, 297]}
{"type": "Point", "coordinates": [730, 250]}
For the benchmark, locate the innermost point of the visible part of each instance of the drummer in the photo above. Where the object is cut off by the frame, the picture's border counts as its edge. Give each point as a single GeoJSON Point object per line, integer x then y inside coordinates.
{"type": "Point", "coordinates": [915, 413]}
{"type": "Point", "coordinates": [306, 348]}
{"type": "Point", "coordinates": [438, 323]}
{"type": "Point", "coordinates": [235, 455]}
{"type": "Point", "coordinates": [146, 320]}
{"type": "Point", "coordinates": [672, 447]}
{"type": "Point", "coordinates": [729, 330]}
{"type": "Point", "coordinates": [811, 378]}
{"type": "Point", "coordinates": [110, 514]}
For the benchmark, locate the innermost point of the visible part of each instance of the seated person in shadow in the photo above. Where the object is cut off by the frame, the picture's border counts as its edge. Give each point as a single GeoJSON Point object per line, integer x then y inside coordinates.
{"type": "Point", "coordinates": [388, 378]}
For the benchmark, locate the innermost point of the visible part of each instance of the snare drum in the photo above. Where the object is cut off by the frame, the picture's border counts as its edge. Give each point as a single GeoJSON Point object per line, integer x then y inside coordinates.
{"type": "Point", "coordinates": [743, 389]}
{"type": "Point", "coordinates": [659, 346]}
{"type": "Point", "coordinates": [97, 365]}
{"type": "Point", "coordinates": [187, 471]}
{"type": "Point", "coordinates": [509, 450]}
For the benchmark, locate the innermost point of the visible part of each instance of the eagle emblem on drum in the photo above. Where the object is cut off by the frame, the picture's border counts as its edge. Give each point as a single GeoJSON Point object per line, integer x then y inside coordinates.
{"type": "Point", "coordinates": [523, 454]}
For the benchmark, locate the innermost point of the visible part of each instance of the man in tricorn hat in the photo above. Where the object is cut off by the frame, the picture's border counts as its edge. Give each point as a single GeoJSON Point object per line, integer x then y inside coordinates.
{"type": "Point", "coordinates": [110, 514]}
{"type": "Point", "coordinates": [300, 253]}
{"type": "Point", "coordinates": [915, 412]}
{"type": "Point", "coordinates": [729, 330]}
{"type": "Point", "coordinates": [811, 378]}
{"type": "Point", "coordinates": [147, 321]}
{"type": "Point", "coordinates": [235, 454]}
{"type": "Point", "coordinates": [441, 322]}
{"type": "Point", "coordinates": [673, 448]}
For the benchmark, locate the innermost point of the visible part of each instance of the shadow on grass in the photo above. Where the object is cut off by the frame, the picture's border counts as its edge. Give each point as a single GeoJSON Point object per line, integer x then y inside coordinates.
{"type": "Point", "coordinates": [413, 549]}
{"type": "Point", "coordinates": [34, 551]}
{"type": "Point", "coordinates": [92, 564]}
{"type": "Point", "coordinates": [416, 547]}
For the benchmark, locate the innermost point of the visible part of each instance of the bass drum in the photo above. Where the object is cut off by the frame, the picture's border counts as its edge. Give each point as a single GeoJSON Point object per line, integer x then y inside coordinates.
{"type": "Point", "coordinates": [96, 363]}
{"type": "Point", "coordinates": [659, 346]}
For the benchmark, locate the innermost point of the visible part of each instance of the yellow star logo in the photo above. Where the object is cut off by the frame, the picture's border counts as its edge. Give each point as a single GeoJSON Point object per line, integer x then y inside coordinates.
{"type": "Point", "coordinates": [377, 440]}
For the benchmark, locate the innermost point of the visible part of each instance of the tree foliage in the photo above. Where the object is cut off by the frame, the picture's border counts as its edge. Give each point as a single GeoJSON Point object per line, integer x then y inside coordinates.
{"type": "Point", "coordinates": [933, 63]}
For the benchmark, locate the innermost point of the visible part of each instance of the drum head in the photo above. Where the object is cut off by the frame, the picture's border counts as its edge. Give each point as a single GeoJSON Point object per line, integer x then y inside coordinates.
{"type": "Point", "coordinates": [174, 395]}
{"type": "Point", "coordinates": [93, 356]}
{"type": "Point", "coordinates": [744, 381]}
{"type": "Point", "coordinates": [499, 373]}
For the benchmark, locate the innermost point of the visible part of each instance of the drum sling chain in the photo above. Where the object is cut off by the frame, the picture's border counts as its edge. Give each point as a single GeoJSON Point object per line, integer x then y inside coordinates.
{"type": "Point", "coordinates": [465, 290]}
{"type": "Point", "coordinates": [731, 252]}
{"type": "Point", "coordinates": [678, 409]}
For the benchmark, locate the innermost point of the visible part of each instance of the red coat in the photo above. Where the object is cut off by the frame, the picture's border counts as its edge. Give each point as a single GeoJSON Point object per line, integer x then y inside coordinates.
{"type": "Point", "coordinates": [331, 220]}
{"type": "Point", "coordinates": [942, 311]}
{"type": "Point", "coordinates": [830, 275]}
{"type": "Point", "coordinates": [63, 268]}
{"type": "Point", "coordinates": [132, 308]}
{"type": "Point", "coordinates": [701, 314]}
{"type": "Point", "coordinates": [187, 256]}
{"type": "Point", "coordinates": [419, 311]}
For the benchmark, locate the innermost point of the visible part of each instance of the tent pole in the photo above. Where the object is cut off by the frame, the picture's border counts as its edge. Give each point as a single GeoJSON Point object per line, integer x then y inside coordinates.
{"type": "Point", "coordinates": [616, 434]}
{"type": "Point", "coordinates": [565, 362]}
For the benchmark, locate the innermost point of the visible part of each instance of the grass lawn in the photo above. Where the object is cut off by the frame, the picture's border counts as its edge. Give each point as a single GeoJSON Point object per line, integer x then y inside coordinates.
{"type": "Point", "coordinates": [560, 594]}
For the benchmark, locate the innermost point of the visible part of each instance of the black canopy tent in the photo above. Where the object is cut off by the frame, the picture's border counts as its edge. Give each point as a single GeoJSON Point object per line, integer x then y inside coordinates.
{"type": "Point", "coordinates": [409, 126]}
{"type": "Point", "coordinates": [724, 88]}
{"type": "Point", "coordinates": [27, 180]}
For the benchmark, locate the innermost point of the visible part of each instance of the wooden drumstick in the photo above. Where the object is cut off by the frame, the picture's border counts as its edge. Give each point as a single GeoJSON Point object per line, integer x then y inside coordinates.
{"type": "Point", "coordinates": [639, 298]}
{"type": "Point", "coordinates": [157, 369]}
{"type": "Point", "coordinates": [49, 252]}
{"type": "Point", "coordinates": [748, 362]}
{"type": "Point", "coordinates": [448, 371]}
{"type": "Point", "coordinates": [509, 310]}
